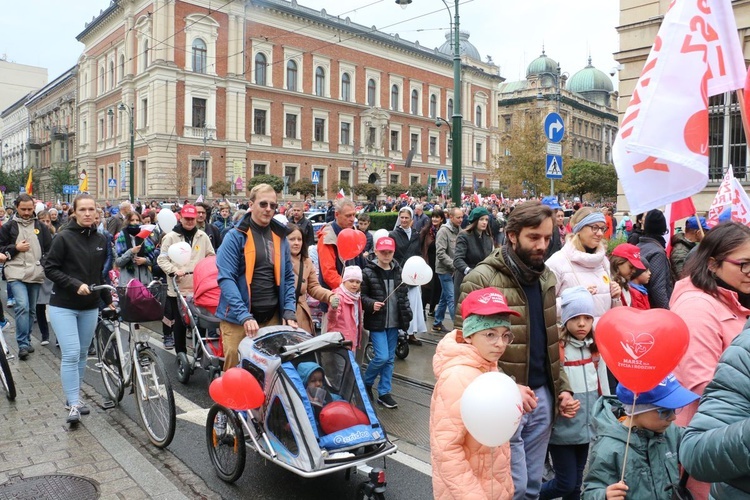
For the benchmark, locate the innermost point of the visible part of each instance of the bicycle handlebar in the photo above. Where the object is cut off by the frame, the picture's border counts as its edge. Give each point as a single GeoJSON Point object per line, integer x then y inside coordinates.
{"type": "Point", "coordinates": [95, 288]}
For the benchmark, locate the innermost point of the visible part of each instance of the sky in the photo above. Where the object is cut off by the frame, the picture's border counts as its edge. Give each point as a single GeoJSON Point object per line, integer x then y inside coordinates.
{"type": "Point", "coordinates": [512, 32]}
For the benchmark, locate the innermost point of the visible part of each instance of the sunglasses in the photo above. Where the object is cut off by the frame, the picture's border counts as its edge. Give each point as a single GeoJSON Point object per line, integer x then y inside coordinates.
{"type": "Point", "coordinates": [266, 204]}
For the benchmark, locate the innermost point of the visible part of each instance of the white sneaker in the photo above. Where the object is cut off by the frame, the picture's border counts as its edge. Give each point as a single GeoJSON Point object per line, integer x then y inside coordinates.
{"type": "Point", "coordinates": [74, 416]}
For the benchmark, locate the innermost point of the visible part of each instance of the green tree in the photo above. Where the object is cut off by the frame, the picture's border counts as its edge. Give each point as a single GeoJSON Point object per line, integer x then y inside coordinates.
{"type": "Point", "coordinates": [584, 177]}
{"type": "Point", "coordinates": [303, 186]}
{"type": "Point", "coordinates": [521, 165]}
{"type": "Point", "coordinates": [275, 181]}
{"type": "Point", "coordinates": [60, 174]}
{"type": "Point", "coordinates": [345, 186]}
{"type": "Point", "coordinates": [222, 188]}
{"type": "Point", "coordinates": [418, 190]}
{"type": "Point", "coordinates": [485, 191]}
{"type": "Point", "coordinates": [394, 190]}
{"type": "Point", "coordinates": [369, 191]}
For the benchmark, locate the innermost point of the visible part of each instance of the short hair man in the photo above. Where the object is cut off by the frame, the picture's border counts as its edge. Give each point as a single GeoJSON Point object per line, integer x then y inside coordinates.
{"type": "Point", "coordinates": [214, 235]}
{"type": "Point", "coordinates": [683, 243]}
{"type": "Point", "coordinates": [116, 221]}
{"type": "Point", "coordinates": [296, 215]}
{"type": "Point", "coordinates": [331, 265]}
{"type": "Point", "coordinates": [519, 272]}
{"type": "Point", "coordinates": [255, 275]}
{"type": "Point", "coordinates": [445, 248]}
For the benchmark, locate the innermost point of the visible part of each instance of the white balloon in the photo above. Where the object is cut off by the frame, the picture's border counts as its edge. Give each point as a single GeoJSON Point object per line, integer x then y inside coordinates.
{"type": "Point", "coordinates": [491, 408]}
{"type": "Point", "coordinates": [179, 253]}
{"type": "Point", "coordinates": [39, 207]}
{"type": "Point", "coordinates": [166, 219]}
{"type": "Point", "coordinates": [416, 271]}
{"type": "Point", "coordinates": [380, 233]}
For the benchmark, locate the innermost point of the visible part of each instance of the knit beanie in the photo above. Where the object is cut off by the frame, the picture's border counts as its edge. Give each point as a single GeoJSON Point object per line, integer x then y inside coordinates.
{"type": "Point", "coordinates": [576, 301]}
{"type": "Point", "coordinates": [655, 223]}
{"type": "Point", "coordinates": [352, 273]}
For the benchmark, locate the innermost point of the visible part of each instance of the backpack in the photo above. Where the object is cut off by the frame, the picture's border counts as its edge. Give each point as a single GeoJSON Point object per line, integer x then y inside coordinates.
{"type": "Point", "coordinates": [206, 291]}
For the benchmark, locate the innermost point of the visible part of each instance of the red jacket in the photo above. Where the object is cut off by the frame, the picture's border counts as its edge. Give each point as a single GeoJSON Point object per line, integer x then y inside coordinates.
{"type": "Point", "coordinates": [638, 299]}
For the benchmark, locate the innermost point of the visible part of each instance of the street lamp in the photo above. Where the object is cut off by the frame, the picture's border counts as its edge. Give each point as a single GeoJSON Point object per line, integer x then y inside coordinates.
{"type": "Point", "coordinates": [457, 117]}
{"type": "Point", "coordinates": [129, 110]}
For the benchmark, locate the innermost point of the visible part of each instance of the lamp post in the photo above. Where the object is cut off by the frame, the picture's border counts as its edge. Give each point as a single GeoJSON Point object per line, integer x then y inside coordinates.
{"type": "Point", "coordinates": [558, 97]}
{"type": "Point", "coordinates": [129, 110]}
{"type": "Point", "coordinates": [457, 116]}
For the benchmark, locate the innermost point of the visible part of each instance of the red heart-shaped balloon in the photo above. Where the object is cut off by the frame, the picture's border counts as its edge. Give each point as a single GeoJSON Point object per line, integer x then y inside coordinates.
{"type": "Point", "coordinates": [641, 347]}
{"type": "Point", "coordinates": [351, 243]}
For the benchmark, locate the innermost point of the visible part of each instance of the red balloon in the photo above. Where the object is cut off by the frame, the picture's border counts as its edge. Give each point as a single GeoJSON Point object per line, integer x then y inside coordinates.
{"type": "Point", "coordinates": [216, 391]}
{"type": "Point", "coordinates": [641, 347]}
{"type": "Point", "coordinates": [341, 415]}
{"type": "Point", "coordinates": [351, 243]}
{"type": "Point", "coordinates": [239, 390]}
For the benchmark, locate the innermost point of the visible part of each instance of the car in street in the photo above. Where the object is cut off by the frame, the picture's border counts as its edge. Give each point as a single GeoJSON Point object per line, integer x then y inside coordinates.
{"type": "Point", "coordinates": [318, 220]}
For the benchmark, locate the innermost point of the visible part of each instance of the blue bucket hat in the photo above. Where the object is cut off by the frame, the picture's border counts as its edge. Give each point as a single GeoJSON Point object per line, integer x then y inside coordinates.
{"type": "Point", "coordinates": [551, 201]}
{"type": "Point", "coordinates": [669, 394]}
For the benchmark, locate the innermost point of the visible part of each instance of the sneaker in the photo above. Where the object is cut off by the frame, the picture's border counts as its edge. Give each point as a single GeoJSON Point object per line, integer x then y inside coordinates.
{"type": "Point", "coordinates": [74, 416]}
{"type": "Point", "coordinates": [23, 353]}
{"type": "Point", "coordinates": [169, 342]}
{"type": "Point", "coordinates": [83, 408]}
{"type": "Point", "coordinates": [368, 388]}
{"type": "Point", "coordinates": [431, 314]}
{"type": "Point", "coordinates": [44, 342]}
{"type": "Point", "coordinates": [11, 302]}
{"type": "Point", "coordinates": [387, 401]}
{"type": "Point", "coordinates": [30, 348]}
{"type": "Point", "coordinates": [3, 323]}
{"type": "Point", "coordinates": [220, 424]}
{"type": "Point", "coordinates": [439, 328]}
{"type": "Point", "coordinates": [413, 340]}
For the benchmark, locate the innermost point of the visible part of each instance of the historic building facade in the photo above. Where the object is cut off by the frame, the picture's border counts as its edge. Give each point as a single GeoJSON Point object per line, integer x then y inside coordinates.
{"type": "Point", "coordinates": [269, 87]}
{"type": "Point", "coordinates": [639, 23]}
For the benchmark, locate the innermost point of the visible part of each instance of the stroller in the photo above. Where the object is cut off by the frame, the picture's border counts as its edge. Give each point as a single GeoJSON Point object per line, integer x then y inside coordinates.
{"type": "Point", "coordinates": [287, 429]}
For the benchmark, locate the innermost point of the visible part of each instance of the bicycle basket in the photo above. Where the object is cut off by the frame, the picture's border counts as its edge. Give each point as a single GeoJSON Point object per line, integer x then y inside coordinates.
{"type": "Point", "coordinates": [139, 303]}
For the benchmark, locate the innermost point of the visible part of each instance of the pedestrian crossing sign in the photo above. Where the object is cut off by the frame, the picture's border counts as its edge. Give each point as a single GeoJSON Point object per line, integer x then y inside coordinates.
{"type": "Point", "coordinates": [442, 178]}
{"type": "Point", "coordinates": [554, 167]}
{"type": "Point", "coordinates": [315, 177]}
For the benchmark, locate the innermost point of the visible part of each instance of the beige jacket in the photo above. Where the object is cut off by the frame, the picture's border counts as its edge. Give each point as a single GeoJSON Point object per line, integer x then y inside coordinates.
{"type": "Point", "coordinates": [201, 248]}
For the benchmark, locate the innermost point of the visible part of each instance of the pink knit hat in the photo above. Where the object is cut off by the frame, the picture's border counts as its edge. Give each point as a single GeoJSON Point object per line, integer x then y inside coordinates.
{"type": "Point", "coordinates": [352, 273]}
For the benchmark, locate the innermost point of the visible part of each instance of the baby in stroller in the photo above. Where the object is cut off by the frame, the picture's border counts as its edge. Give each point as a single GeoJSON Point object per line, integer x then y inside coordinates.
{"type": "Point", "coordinates": [313, 378]}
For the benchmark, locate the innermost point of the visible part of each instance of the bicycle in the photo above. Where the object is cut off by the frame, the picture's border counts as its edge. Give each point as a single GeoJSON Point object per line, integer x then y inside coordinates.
{"type": "Point", "coordinates": [137, 366]}
{"type": "Point", "coordinates": [6, 376]}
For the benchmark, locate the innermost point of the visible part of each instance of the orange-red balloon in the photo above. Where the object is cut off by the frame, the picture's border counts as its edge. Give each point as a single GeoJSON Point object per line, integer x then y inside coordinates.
{"type": "Point", "coordinates": [341, 415]}
{"type": "Point", "coordinates": [237, 389]}
{"type": "Point", "coordinates": [351, 243]}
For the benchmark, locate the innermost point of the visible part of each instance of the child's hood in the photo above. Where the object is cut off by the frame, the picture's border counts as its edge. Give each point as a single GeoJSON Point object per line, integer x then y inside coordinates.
{"type": "Point", "coordinates": [306, 369]}
{"type": "Point", "coordinates": [607, 424]}
{"type": "Point", "coordinates": [450, 352]}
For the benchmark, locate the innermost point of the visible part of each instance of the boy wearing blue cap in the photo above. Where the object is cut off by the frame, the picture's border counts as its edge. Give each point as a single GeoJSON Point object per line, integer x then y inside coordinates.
{"type": "Point", "coordinates": [684, 243]}
{"type": "Point", "coordinates": [652, 458]}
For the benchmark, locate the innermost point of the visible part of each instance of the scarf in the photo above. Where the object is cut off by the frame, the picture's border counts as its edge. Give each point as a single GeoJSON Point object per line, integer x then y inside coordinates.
{"type": "Point", "coordinates": [355, 297]}
{"type": "Point", "coordinates": [187, 234]}
{"type": "Point", "coordinates": [524, 274]}
{"type": "Point", "coordinates": [640, 288]}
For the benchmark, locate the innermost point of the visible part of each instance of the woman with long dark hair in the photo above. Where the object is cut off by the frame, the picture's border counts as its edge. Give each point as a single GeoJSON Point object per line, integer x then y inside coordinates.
{"type": "Point", "coordinates": [431, 292]}
{"type": "Point", "coordinates": [135, 255]}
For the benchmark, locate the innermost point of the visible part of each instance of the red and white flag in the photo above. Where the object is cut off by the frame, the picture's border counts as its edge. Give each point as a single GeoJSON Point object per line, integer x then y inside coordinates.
{"type": "Point", "coordinates": [146, 230]}
{"type": "Point", "coordinates": [340, 194]}
{"type": "Point", "coordinates": [677, 211]}
{"type": "Point", "coordinates": [740, 203]}
{"type": "Point", "coordinates": [724, 197]}
{"type": "Point", "coordinates": [661, 150]}
{"type": "Point", "coordinates": [404, 195]}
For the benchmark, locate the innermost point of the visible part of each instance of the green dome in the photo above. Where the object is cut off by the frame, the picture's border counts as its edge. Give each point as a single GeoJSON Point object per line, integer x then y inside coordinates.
{"type": "Point", "coordinates": [542, 64]}
{"type": "Point", "coordinates": [590, 79]}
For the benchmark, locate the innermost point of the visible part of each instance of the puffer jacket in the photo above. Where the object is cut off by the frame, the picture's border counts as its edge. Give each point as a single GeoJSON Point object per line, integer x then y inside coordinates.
{"type": "Point", "coordinates": [713, 323]}
{"type": "Point", "coordinates": [494, 272]}
{"type": "Point", "coordinates": [445, 248]}
{"type": "Point", "coordinates": [681, 247]}
{"type": "Point", "coordinates": [660, 285]}
{"type": "Point", "coordinates": [715, 445]}
{"type": "Point", "coordinates": [373, 290]}
{"type": "Point", "coordinates": [652, 457]}
{"type": "Point", "coordinates": [584, 375]}
{"type": "Point", "coordinates": [462, 468]}
{"type": "Point", "coordinates": [575, 268]}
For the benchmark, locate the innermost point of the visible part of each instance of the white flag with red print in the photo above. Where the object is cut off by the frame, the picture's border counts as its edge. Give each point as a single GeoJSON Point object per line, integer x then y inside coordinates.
{"type": "Point", "coordinates": [740, 203]}
{"type": "Point", "coordinates": [661, 149]}
{"type": "Point", "coordinates": [724, 196]}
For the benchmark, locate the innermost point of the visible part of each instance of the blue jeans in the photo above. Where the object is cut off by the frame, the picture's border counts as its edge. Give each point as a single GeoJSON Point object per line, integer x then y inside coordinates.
{"type": "Point", "coordinates": [568, 460]}
{"type": "Point", "coordinates": [447, 299]}
{"type": "Point", "coordinates": [528, 447]}
{"type": "Point", "coordinates": [25, 309]}
{"type": "Point", "coordinates": [74, 330]}
{"type": "Point", "coordinates": [384, 343]}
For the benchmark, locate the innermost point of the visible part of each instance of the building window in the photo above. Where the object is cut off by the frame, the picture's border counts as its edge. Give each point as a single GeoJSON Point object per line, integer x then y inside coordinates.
{"type": "Point", "coordinates": [450, 109]}
{"type": "Point", "coordinates": [260, 68]}
{"type": "Point", "coordinates": [479, 116]}
{"type": "Point", "coordinates": [345, 177]}
{"type": "Point", "coordinates": [320, 130]}
{"type": "Point", "coordinates": [122, 66]}
{"type": "Point", "coordinates": [101, 129]}
{"type": "Point", "coordinates": [291, 126]}
{"type": "Point", "coordinates": [321, 175]}
{"type": "Point", "coordinates": [371, 92]}
{"type": "Point", "coordinates": [101, 80]}
{"type": "Point", "coordinates": [110, 124]}
{"type": "Point", "coordinates": [449, 148]}
{"type": "Point", "coordinates": [199, 112]}
{"type": "Point", "coordinates": [345, 133]}
{"type": "Point", "coordinates": [479, 157]}
{"type": "Point", "coordinates": [370, 137]}
{"type": "Point", "coordinates": [290, 176]}
{"type": "Point", "coordinates": [394, 179]}
{"type": "Point", "coordinates": [291, 75]}
{"type": "Point", "coordinates": [433, 146]}
{"type": "Point", "coordinates": [259, 122]}
{"type": "Point", "coordinates": [433, 106]}
{"type": "Point", "coordinates": [144, 112]}
{"type": "Point", "coordinates": [145, 56]}
{"type": "Point", "coordinates": [199, 55]}
{"type": "Point", "coordinates": [346, 87]}
{"type": "Point", "coordinates": [414, 142]}
{"type": "Point", "coordinates": [414, 102]}
{"type": "Point", "coordinates": [320, 81]}
{"type": "Point", "coordinates": [111, 74]}
{"type": "Point", "coordinates": [198, 169]}
{"type": "Point", "coordinates": [394, 97]}
{"type": "Point", "coordinates": [259, 169]}
{"type": "Point", "coordinates": [508, 122]}
{"type": "Point", "coordinates": [395, 143]}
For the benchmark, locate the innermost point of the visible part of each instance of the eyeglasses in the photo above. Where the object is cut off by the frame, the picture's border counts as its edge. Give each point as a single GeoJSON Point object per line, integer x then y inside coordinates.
{"type": "Point", "coordinates": [598, 229]}
{"type": "Point", "coordinates": [667, 413]}
{"type": "Point", "coordinates": [494, 337]}
{"type": "Point", "coordinates": [265, 204]}
{"type": "Point", "coordinates": [744, 266]}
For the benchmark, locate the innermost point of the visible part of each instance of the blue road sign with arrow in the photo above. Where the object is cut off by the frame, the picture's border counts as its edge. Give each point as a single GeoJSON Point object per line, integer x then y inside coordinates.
{"type": "Point", "coordinates": [554, 127]}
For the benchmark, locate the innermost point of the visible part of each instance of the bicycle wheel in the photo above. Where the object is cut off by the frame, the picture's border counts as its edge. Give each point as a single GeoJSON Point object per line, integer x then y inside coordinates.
{"type": "Point", "coordinates": [6, 377]}
{"type": "Point", "coordinates": [226, 446]}
{"type": "Point", "coordinates": [154, 398]}
{"type": "Point", "coordinates": [109, 363]}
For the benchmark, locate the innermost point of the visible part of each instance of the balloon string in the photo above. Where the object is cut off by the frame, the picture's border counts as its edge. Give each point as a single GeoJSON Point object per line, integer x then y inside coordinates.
{"type": "Point", "coordinates": [394, 291]}
{"type": "Point", "coordinates": [627, 442]}
{"type": "Point", "coordinates": [492, 472]}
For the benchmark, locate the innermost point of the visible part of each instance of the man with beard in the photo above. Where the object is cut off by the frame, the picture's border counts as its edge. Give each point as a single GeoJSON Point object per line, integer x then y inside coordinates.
{"type": "Point", "coordinates": [518, 271]}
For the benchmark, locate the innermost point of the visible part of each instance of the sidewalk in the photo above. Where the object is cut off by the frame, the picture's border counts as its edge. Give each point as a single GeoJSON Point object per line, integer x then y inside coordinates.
{"type": "Point", "coordinates": [36, 442]}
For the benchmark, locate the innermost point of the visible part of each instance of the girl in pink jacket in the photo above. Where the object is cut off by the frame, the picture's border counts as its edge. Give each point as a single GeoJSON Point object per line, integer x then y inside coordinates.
{"type": "Point", "coordinates": [462, 468]}
{"type": "Point", "coordinates": [347, 317]}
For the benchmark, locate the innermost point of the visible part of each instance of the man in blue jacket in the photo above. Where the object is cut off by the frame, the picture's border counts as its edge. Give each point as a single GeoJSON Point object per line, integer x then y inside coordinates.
{"type": "Point", "coordinates": [255, 275]}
